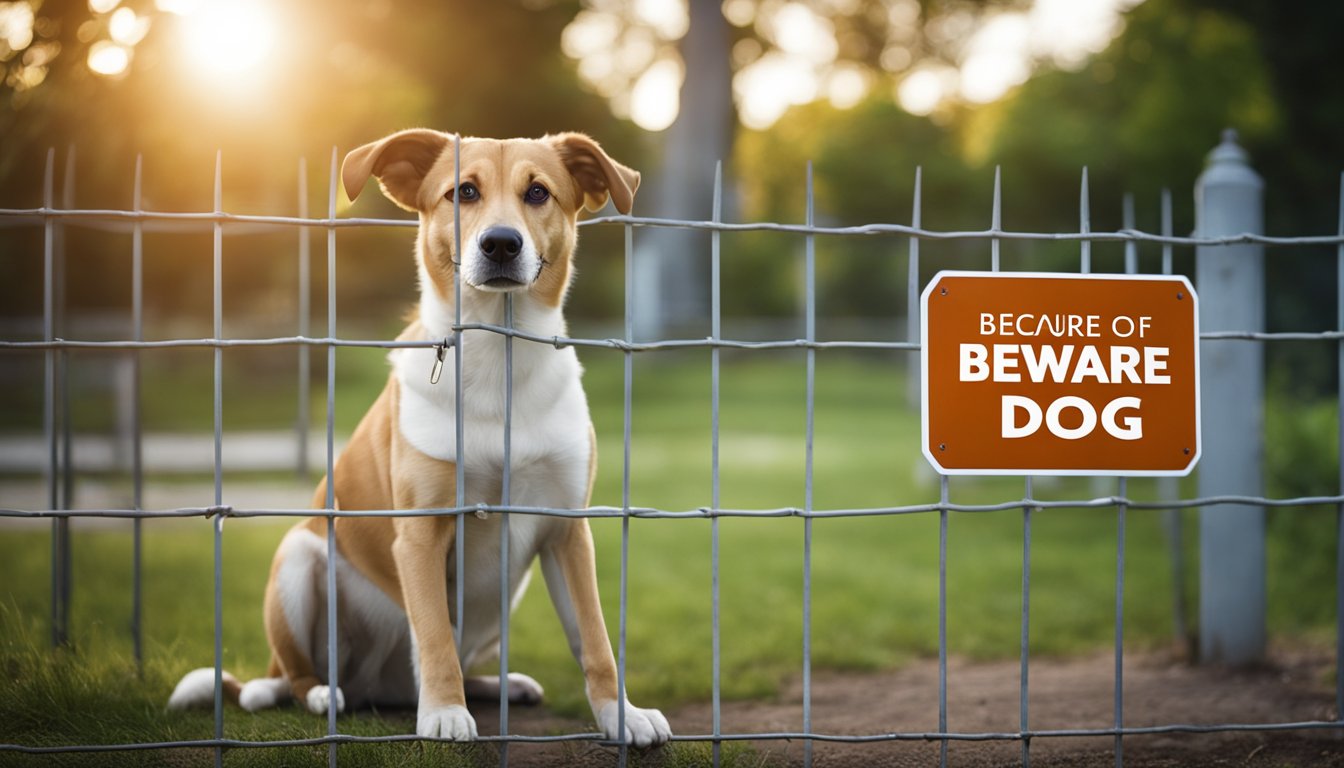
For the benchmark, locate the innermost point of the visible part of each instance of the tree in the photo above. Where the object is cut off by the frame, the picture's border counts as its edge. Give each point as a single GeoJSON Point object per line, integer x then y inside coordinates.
{"type": "Point", "coordinates": [732, 54]}
{"type": "Point", "coordinates": [337, 75]}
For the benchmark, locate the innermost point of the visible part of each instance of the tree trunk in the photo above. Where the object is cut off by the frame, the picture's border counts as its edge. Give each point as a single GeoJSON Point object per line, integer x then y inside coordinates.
{"type": "Point", "coordinates": [672, 265]}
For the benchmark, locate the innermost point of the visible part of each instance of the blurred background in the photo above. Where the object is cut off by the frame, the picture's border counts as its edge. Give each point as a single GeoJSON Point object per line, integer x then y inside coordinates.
{"type": "Point", "coordinates": [1136, 91]}
{"type": "Point", "coordinates": [865, 91]}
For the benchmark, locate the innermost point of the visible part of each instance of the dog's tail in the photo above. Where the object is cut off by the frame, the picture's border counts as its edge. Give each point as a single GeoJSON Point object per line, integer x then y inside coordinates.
{"type": "Point", "coordinates": [196, 690]}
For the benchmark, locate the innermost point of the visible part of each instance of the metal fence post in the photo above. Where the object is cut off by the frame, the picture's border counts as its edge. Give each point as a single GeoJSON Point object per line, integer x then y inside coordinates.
{"type": "Point", "coordinates": [1228, 201]}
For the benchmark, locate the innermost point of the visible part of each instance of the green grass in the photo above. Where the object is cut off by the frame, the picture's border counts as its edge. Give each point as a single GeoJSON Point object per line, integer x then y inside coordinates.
{"type": "Point", "coordinates": [874, 579]}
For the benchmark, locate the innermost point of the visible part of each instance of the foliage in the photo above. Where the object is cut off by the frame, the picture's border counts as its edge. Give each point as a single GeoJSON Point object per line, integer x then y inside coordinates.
{"type": "Point", "coordinates": [1140, 117]}
{"type": "Point", "coordinates": [1301, 460]}
{"type": "Point", "coordinates": [347, 73]}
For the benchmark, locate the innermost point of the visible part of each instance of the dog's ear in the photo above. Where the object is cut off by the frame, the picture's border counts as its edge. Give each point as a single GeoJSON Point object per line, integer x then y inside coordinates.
{"type": "Point", "coordinates": [400, 162]}
{"type": "Point", "coordinates": [598, 175]}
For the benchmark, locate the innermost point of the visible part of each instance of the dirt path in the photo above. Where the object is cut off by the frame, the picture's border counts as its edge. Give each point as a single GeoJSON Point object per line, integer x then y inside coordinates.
{"type": "Point", "coordinates": [984, 697]}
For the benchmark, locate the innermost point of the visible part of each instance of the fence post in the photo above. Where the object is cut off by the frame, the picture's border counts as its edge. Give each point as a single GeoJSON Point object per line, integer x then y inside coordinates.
{"type": "Point", "coordinates": [1230, 278]}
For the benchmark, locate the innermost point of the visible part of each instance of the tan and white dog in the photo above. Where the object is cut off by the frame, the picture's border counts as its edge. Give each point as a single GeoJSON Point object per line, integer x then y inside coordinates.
{"type": "Point", "coordinates": [519, 202]}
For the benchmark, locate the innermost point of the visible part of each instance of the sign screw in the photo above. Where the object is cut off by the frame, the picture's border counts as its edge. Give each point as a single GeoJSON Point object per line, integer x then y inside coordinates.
{"type": "Point", "coordinates": [942, 446]}
{"type": "Point", "coordinates": [1180, 295]}
{"type": "Point", "coordinates": [944, 291]}
{"type": "Point", "coordinates": [1187, 451]}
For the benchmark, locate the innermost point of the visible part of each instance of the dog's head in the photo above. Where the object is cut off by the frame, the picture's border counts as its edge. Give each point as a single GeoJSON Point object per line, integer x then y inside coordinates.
{"type": "Point", "coordinates": [519, 201]}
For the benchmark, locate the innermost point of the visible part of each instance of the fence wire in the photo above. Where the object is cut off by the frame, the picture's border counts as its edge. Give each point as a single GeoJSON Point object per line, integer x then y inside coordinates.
{"type": "Point", "coordinates": [138, 221]}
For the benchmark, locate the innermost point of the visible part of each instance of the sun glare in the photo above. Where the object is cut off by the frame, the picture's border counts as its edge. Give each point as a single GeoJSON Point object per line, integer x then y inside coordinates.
{"type": "Point", "coordinates": [228, 37]}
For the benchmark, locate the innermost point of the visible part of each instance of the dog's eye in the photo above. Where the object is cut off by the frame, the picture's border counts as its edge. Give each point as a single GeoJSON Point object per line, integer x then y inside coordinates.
{"type": "Point", "coordinates": [537, 194]}
{"type": "Point", "coordinates": [466, 192]}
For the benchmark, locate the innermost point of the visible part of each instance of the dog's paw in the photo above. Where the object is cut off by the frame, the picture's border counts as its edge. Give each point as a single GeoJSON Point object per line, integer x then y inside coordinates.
{"type": "Point", "coordinates": [197, 689]}
{"type": "Point", "coordinates": [319, 698]}
{"type": "Point", "coordinates": [643, 727]}
{"type": "Point", "coordinates": [262, 693]}
{"type": "Point", "coordinates": [452, 722]}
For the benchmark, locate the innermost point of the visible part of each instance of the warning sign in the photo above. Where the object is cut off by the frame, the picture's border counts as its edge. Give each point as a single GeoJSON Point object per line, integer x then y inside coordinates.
{"type": "Point", "coordinates": [1050, 374]}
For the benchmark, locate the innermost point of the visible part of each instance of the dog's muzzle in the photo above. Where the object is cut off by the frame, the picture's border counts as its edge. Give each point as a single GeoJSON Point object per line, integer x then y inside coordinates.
{"type": "Point", "coordinates": [501, 244]}
{"type": "Point", "coordinates": [502, 269]}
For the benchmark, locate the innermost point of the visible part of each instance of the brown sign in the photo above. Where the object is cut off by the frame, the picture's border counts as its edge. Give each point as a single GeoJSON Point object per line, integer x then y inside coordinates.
{"type": "Point", "coordinates": [1051, 374]}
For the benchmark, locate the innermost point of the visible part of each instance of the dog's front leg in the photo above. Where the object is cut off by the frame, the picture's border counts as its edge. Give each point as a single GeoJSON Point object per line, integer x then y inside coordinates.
{"type": "Point", "coordinates": [421, 551]}
{"type": "Point", "coordinates": [571, 578]}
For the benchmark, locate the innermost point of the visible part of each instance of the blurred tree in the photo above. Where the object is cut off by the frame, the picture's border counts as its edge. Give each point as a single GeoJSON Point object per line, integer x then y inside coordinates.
{"type": "Point", "coordinates": [1302, 164]}
{"type": "Point", "coordinates": [703, 66]}
{"type": "Point", "coordinates": [1141, 115]}
{"type": "Point", "coordinates": [334, 74]}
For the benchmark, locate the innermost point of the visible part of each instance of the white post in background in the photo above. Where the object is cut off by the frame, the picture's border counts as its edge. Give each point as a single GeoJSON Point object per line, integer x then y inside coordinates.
{"type": "Point", "coordinates": [1230, 279]}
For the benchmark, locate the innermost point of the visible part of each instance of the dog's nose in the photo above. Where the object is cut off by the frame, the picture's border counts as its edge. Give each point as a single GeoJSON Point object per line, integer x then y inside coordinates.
{"type": "Point", "coordinates": [501, 244]}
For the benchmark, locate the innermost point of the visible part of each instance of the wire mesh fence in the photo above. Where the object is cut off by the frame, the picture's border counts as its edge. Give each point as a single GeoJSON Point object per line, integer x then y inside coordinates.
{"type": "Point", "coordinates": [49, 217]}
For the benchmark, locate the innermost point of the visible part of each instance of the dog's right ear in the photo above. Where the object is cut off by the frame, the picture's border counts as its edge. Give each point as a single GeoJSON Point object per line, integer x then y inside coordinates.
{"type": "Point", "coordinates": [400, 161]}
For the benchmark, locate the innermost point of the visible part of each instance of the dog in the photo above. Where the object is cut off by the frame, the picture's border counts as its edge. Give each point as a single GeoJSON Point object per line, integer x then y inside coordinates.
{"type": "Point", "coordinates": [519, 201]}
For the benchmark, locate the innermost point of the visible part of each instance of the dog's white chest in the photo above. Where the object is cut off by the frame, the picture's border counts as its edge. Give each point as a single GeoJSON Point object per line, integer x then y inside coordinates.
{"type": "Point", "coordinates": [550, 449]}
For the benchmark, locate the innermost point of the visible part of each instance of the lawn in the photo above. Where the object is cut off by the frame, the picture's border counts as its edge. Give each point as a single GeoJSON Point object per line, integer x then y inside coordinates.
{"type": "Point", "coordinates": [874, 579]}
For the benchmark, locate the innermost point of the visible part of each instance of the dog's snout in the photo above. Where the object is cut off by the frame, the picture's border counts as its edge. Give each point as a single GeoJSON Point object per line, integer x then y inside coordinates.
{"type": "Point", "coordinates": [501, 244]}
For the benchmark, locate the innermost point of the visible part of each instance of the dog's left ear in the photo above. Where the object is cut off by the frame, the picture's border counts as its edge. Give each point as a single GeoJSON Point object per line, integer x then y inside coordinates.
{"type": "Point", "coordinates": [400, 161]}
{"type": "Point", "coordinates": [598, 175]}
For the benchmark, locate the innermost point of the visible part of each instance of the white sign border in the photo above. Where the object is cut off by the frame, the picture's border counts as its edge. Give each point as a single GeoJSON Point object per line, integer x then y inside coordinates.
{"type": "Point", "coordinates": [1016, 471]}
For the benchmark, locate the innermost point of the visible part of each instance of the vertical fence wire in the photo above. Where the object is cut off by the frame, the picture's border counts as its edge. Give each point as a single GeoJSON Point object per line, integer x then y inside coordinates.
{"type": "Point", "coordinates": [1024, 677]}
{"type": "Point", "coordinates": [1121, 513]}
{"type": "Point", "coordinates": [995, 265]}
{"type": "Point", "coordinates": [49, 391]}
{"type": "Point", "coordinates": [66, 473]}
{"type": "Point", "coordinates": [218, 232]}
{"type": "Point", "coordinates": [627, 387]}
{"type": "Point", "coordinates": [1120, 516]}
{"type": "Point", "coordinates": [333, 654]}
{"type": "Point", "coordinates": [810, 289]}
{"type": "Point", "coordinates": [1131, 246]}
{"type": "Point", "coordinates": [1121, 510]}
{"type": "Point", "coordinates": [137, 436]}
{"type": "Point", "coordinates": [505, 498]}
{"type": "Point", "coordinates": [61, 562]}
{"type": "Point", "coordinates": [64, 463]}
{"type": "Point", "coordinates": [1166, 230]}
{"type": "Point", "coordinates": [912, 310]}
{"type": "Point", "coordinates": [301, 423]}
{"type": "Point", "coordinates": [943, 497]}
{"type": "Point", "coordinates": [459, 417]}
{"type": "Point", "coordinates": [1339, 526]}
{"type": "Point", "coordinates": [1085, 227]}
{"type": "Point", "coordinates": [218, 286]}
{"type": "Point", "coordinates": [1169, 487]}
{"type": "Point", "coordinates": [995, 223]}
{"type": "Point", "coordinates": [66, 420]}
{"type": "Point", "coordinates": [716, 330]}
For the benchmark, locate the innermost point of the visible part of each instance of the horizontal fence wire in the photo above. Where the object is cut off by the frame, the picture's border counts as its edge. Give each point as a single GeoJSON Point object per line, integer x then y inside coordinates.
{"type": "Point", "coordinates": [597, 738]}
{"type": "Point", "coordinates": [564, 341]}
{"type": "Point", "coordinates": [138, 222]}
{"type": "Point", "coordinates": [36, 216]}
{"type": "Point", "coordinates": [1100, 502]}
